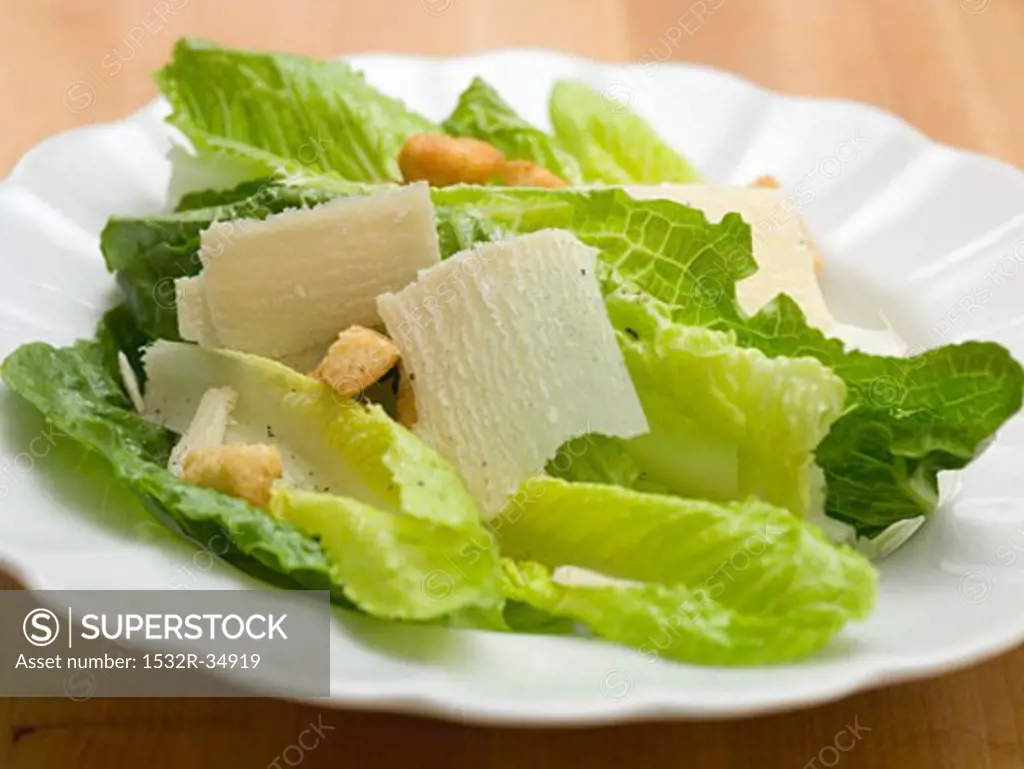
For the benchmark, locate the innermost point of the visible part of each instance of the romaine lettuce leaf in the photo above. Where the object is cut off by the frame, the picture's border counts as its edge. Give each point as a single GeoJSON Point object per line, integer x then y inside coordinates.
{"type": "Point", "coordinates": [726, 422]}
{"type": "Point", "coordinates": [76, 391]}
{"type": "Point", "coordinates": [389, 564]}
{"type": "Point", "coordinates": [482, 114]}
{"type": "Point", "coordinates": [287, 116]}
{"type": "Point", "coordinates": [905, 419]}
{"type": "Point", "coordinates": [674, 621]}
{"type": "Point", "coordinates": [250, 191]}
{"type": "Point", "coordinates": [736, 583]}
{"type": "Point", "coordinates": [366, 469]}
{"type": "Point", "coordinates": [613, 144]}
{"type": "Point", "coordinates": [522, 617]}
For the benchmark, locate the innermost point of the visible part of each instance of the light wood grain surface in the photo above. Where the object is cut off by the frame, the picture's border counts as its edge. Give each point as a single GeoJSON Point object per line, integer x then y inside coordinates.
{"type": "Point", "coordinates": [951, 67]}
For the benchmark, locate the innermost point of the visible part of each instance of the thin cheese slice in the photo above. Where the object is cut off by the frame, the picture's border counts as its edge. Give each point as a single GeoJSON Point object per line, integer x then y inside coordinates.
{"type": "Point", "coordinates": [207, 428]}
{"type": "Point", "coordinates": [577, 576]}
{"type": "Point", "coordinates": [510, 353]}
{"type": "Point", "coordinates": [289, 283]}
{"type": "Point", "coordinates": [785, 260]}
{"type": "Point", "coordinates": [130, 381]}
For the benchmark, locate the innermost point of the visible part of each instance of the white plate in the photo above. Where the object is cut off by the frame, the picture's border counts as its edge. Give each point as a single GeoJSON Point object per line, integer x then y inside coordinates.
{"type": "Point", "coordinates": [905, 225]}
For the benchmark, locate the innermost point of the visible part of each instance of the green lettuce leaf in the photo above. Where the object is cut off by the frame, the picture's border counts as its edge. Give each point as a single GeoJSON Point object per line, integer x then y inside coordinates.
{"type": "Point", "coordinates": [75, 391]}
{"type": "Point", "coordinates": [392, 516]}
{"type": "Point", "coordinates": [736, 583]}
{"type": "Point", "coordinates": [523, 617]}
{"type": "Point", "coordinates": [118, 331]}
{"type": "Point", "coordinates": [249, 191]}
{"type": "Point", "coordinates": [389, 564]}
{"type": "Point", "coordinates": [726, 422]}
{"type": "Point", "coordinates": [676, 622]}
{"type": "Point", "coordinates": [395, 561]}
{"type": "Point", "coordinates": [482, 114]}
{"type": "Point", "coordinates": [904, 420]}
{"type": "Point", "coordinates": [285, 115]}
{"type": "Point", "coordinates": [613, 144]}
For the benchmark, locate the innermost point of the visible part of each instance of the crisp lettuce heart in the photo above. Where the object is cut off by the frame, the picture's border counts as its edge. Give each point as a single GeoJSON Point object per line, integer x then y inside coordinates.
{"type": "Point", "coordinates": [482, 114]}
{"type": "Point", "coordinates": [736, 583]}
{"type": "Point", "coordinates": [726, 422]}
{"type": "Point", "coordinates": [284, 115]}
{"type": "Point", "coordinates": [613, 144]}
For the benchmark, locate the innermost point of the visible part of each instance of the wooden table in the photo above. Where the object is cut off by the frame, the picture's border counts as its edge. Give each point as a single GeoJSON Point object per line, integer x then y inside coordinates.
{"type": "Point", "coordinates": [952, 67]}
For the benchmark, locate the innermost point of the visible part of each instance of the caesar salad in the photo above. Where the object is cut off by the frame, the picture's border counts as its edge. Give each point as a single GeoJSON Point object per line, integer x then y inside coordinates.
{"type": "Point", "coordinates": [482, 374]}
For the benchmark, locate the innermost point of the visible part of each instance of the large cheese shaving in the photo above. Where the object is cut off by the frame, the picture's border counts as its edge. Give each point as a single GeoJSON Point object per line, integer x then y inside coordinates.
{"type": "Point", "coordinates": [510, 353]}
{"type": "Point", "coordinates": [286, 285]}
{"type": "Point", "coordinates": [207, 427]}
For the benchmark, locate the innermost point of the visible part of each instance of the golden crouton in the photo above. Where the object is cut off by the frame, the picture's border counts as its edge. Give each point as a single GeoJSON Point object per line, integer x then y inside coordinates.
{"type": "Point", "coordinates": [523, 173]}
{"type": "Point", "coordinates": [443, 160]}
{"type": "Point", "coordinates": [357, 359]}
{"type": "Point", "coordinates": [246, 471]}
{"type": "Point", "coordinates": [405, 401]}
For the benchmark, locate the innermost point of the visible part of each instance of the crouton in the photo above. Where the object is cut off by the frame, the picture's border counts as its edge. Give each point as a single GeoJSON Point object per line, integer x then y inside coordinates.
{"type": "Point", "coordinates": [442, 160]}
{"type": "Point", "coordinates": [246, 471]}
{"type": "Point", "coordinates": [523, 173]}
{"type": "Point", "coordinates": [358, 358]}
